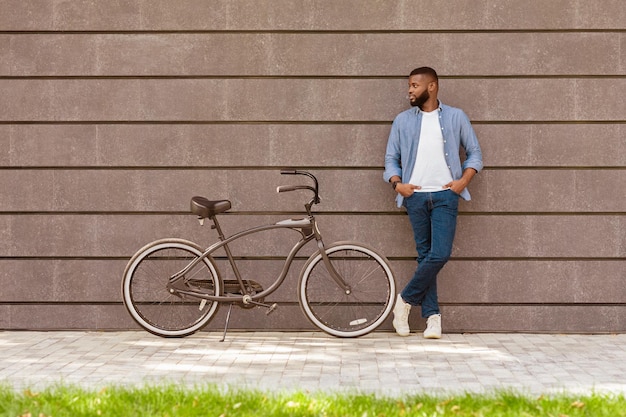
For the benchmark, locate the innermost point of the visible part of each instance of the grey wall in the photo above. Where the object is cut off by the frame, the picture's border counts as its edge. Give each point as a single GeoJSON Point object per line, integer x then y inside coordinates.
{"type": "Point", "coordinates": [114, 113]}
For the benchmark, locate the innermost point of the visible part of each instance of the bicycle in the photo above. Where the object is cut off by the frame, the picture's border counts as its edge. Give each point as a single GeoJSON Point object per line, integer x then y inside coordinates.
{"type": "Point", "coordinates": [173, 288]}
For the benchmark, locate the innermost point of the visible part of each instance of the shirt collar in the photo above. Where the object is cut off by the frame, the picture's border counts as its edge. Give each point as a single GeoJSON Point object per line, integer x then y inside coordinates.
{"type": "Point", "coordinates": [418, 110]}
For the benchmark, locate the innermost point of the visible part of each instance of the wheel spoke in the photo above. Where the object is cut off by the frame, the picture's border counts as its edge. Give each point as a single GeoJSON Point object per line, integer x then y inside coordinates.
{"type": "Point", "coordinates": [146, 293]}
{"type": "Point", "coordinates": [347, 315]}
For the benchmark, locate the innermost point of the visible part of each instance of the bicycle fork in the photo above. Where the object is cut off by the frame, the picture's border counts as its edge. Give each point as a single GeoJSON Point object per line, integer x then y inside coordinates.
{"type": "Point", "coordinates": [331, 269]}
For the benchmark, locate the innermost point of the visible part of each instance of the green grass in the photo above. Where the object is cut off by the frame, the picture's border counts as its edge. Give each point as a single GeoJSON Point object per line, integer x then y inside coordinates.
{"type": "Point", "coordinates": [172, 400]}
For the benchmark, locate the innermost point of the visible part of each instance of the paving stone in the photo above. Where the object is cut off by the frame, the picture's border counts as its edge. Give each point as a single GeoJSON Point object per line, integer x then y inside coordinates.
{"type": "Point", "coordinates": [381, 363]}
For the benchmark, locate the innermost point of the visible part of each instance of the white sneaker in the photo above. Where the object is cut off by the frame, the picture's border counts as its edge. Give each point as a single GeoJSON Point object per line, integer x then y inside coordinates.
{"type": "Point", "coordinates": [433, 327]}
{"type": "Point", "coordinates": [401, 317]}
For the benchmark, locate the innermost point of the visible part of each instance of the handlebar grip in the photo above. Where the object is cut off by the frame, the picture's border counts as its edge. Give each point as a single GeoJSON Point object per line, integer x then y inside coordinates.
{"type": "Point", "coordinates": [288, 172]}
{"type": "Point", "coordinates": [283, 188]}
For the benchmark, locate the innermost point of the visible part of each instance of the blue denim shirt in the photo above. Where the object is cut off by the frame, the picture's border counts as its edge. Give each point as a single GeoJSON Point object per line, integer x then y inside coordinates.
{"type": "Point", "coordinates": [405, 136]}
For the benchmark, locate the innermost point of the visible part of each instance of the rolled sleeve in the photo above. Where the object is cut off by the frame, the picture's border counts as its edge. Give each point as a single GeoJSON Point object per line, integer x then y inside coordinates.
{"type": "Point", "coordinates": [393, 164]}
{"type": "Point", "coordinates": [473, 153]}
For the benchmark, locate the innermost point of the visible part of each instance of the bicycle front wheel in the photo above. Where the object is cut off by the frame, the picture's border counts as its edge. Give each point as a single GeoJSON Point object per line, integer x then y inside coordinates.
{"type": "Point", "coordinates": [152, 305]}
{"type": "Point", "coordinates": [354, 311]}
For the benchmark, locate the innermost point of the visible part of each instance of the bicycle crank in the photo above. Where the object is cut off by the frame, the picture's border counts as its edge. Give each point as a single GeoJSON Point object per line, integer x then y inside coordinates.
{"type": "Point", "coordinates": [247, 300]}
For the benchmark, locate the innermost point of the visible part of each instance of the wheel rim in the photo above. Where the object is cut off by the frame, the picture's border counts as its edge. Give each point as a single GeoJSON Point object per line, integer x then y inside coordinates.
{"type": "Point", "coordinates": [148, 300]}
{"type": "Point", "coordinates": [354, 314]}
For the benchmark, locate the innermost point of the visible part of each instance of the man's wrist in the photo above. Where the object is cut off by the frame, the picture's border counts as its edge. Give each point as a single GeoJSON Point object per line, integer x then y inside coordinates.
{"type": "Point", "coordinates": [394, 184]}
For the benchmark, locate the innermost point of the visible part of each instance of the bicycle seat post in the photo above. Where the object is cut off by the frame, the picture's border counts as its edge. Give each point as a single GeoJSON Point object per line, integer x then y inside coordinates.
{"type": "Point", "coordinates": [229, 255]}
{"type": "Point", "coordinates": [217, 227]}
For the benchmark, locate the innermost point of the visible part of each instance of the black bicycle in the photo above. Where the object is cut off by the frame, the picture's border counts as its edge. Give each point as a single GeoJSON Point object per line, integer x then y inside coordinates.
{"type": "Point", "coordinates": [173, 288]}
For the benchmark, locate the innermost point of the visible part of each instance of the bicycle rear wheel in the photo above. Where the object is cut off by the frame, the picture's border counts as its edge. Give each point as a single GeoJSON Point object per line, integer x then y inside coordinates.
{"type": "Point", "coordinates": [150, 303]}
{"type": "Point", "coordinates": [350, 313]}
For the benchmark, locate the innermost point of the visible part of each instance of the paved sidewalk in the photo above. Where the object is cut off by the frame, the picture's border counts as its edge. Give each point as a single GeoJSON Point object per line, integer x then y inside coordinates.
{"type": "Point", "coordinates": [380, 363]}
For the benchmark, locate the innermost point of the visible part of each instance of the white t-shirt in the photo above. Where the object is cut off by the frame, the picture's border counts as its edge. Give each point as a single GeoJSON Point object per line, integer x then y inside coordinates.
{"type": "Point", "coordinates": [431, 171]}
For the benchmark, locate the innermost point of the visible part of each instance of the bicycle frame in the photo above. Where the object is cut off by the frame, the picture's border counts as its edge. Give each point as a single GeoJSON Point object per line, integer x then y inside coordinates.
{"type": "Point", "coordinates": [307, 227]}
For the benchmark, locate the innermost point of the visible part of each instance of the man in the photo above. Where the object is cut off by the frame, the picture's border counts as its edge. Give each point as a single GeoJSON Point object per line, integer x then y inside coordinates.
{"type": "Point", "coordinates": [423, 165]}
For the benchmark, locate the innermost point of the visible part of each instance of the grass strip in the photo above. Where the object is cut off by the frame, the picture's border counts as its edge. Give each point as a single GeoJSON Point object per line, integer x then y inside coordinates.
{"type": "Point", "coordinates": [174, 400]}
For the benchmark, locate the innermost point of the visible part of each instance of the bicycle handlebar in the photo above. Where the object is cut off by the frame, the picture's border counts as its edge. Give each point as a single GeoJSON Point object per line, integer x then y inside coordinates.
{"type": "Point", "coordinates": [314, 189]}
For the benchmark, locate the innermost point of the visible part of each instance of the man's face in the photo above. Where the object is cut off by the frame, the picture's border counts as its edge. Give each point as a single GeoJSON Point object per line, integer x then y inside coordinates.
{"type": "Point", "coordinates": [418, 90]}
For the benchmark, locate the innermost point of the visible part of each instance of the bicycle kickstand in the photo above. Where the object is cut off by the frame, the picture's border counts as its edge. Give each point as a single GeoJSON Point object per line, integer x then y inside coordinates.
{"type": "Point", "coordinates": [230, 308]}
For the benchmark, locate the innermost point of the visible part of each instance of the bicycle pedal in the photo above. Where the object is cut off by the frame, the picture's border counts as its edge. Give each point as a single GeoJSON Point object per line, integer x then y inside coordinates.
{"type": "Point", "coordinates": [270, 309]}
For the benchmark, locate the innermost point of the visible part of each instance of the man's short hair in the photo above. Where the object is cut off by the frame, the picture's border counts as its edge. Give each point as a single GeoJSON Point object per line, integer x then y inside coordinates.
{"type": "Point", "coordinates": [425, 71]}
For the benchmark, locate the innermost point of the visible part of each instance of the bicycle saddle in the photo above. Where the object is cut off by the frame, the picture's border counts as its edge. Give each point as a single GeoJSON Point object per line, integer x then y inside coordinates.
{"type": "Point", "coordinates": [204, 208]}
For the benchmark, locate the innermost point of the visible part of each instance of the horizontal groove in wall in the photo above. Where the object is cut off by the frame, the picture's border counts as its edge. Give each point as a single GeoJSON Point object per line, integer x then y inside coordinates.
{"type": "Point", "coordinates": [278, 168]}
{"type": "Point", "coordinates": [553, 168]}
{"type": "Point", "coordinates": [311, 31]}
{"type": "Point", "coordinates": [300, 212]}
{"type": "Point", "coordinates": [94, 303]}
{"type": "Point", "coordinates": [300, 77]}
{"type": "Point", "coordinates": [577, 304]}
{"type": "Point", "coordinates": [306, 256]}
{"type": "Point", "coordinates": [292, 122]}
{"type": "Point", "coordinates": [191, 122]}
{"type": "Point", "coordinates": [537, 259]}
{"type": "Point", "coordinates": [295, 303]}
{"type": "Point", "coordinates": [60, 303]}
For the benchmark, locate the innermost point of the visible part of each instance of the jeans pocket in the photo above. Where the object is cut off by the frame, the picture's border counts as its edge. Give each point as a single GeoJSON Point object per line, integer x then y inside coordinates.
{"type": "Point", "coordinates": [453, 199]}
{"type": "Point", "coordinates": [453, 193]}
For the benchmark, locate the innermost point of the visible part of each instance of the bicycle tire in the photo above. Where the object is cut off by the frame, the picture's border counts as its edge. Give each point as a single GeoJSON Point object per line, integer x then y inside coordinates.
{"type": "Point", "coordinates": [369, 302]}
{"type": "Point", "coordinates": [145, 293]}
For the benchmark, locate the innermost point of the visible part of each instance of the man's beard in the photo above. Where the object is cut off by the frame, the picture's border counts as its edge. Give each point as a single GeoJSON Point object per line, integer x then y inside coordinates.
{"type": "Point", "coordinates": [420, 100]}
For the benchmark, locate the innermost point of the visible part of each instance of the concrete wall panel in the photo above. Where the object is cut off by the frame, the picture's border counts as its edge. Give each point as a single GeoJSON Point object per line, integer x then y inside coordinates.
{"type": "Point", "coordinates": [533, 145]}
{"type": "Point", "coordinates": [252, 15]}
{"type": "Point", "coordinates": [158, 190]}
{"type": "Point", "coordinates": [534, 318]}
{"type": "Point", "coordinates": [5, 55]}
{"type": "Point", "coordinates": [312, 54]}
{"type": "Point", "coordinates": [520, 281]}
{"type": "Point", "coordinates": [90, 316]}
{"type": "Point", "coordinates": [479, 236]}
{"type": "Point", "coordinates": [76, 280]}
{"type": "Point", "coordinates": [553, 145]}
{"type": "Point", "coordinates": [299, 100]}
{"type": "Point", "coordinates": [462, 281]}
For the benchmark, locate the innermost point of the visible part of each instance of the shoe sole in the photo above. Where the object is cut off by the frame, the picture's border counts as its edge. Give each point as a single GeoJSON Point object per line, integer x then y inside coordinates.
{"type": "Point", "coordinates": [401, 333]}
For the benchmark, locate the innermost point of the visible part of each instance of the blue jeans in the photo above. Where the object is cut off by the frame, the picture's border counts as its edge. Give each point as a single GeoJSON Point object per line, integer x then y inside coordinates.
{"type": "Point", "coordinates": [433, 218]}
